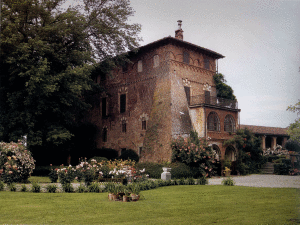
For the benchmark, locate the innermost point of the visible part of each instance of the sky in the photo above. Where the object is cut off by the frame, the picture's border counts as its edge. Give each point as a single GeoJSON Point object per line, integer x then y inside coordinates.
{"type": "Point", "coordinates": [259, 39]}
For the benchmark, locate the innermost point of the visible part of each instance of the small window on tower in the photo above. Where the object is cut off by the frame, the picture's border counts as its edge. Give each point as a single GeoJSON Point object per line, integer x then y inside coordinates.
{"type": "Point", "coordinates": [144, 123]}
{"type": "Point", "coordinates": [122, 103]}
{"type": "Point", "coordinates": [104, 107]}
{"type": "Point", "coordinates": [206, 63]}
{"type": "Point", "coordinates": [124, 126]}
{"type": "Point", "coordinates": [104, 135]}
{"type": "Point", "coordinates": [186, 57]}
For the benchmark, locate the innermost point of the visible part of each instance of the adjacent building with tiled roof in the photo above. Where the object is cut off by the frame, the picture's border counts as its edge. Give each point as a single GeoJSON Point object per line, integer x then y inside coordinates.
{"type": "Point", "coordinates": [271, 136]}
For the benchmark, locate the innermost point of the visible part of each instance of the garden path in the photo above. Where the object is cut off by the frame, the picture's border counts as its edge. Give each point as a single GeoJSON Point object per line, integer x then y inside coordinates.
{"type": "Point", "coordinates": [257, 180]}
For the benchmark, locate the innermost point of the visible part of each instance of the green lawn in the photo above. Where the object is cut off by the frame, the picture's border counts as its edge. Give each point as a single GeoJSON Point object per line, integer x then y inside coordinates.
{"type": "Point", "coordinates": [166, 205]}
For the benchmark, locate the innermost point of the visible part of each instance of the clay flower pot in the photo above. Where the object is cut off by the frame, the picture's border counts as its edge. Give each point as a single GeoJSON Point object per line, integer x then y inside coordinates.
{"type": "Point", "coordinates": [125, 198]}
{"type": "Point", "coordinates": [135, 197]}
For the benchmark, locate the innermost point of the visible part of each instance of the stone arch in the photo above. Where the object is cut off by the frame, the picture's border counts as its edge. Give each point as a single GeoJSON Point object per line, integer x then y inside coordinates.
{"type": "Point", "coordinates": [217, 152]}
{"type": "Point", "coordinates": [230, 153]}
{"type": "Point", "coordinates": [170, 55]}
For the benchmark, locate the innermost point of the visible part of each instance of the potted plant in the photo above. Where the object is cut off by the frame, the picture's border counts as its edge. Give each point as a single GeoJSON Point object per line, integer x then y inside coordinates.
{"type": "Point", "coordinates": [126, 195]}
{"type": "Point", "coordinates": [135, 192]}
{"type": "Point", "coordinates": [227, 172]}
{"type": "Point", "coordinates": [226, 164]}
{"type": "Point", "coordinates": [110, 189]}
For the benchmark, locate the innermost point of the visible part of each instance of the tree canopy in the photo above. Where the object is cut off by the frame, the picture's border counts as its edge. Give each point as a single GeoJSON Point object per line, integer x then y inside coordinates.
{"type": "Point", "coordinates": [223, 89]}
{"type": "Point", "coordinates": [294, 128]}
{"type": "Point", "coordinates": [47, 54]}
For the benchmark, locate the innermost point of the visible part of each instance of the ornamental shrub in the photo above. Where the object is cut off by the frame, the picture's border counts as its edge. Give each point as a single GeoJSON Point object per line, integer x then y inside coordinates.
{"type": "Point", "coordinates": [66, 174]}
{"type": "Point", "coordinates": [194, 152]}
{"type": "Point", "coordinates": [12, 187]}
{"type": "Point", "coordinates": [94, 187]}
{"type": "Point", "coordinates": [16, 162]}
{"type": "Point", "coordinates": [68, 187]}
{"type": "Point", "coordinates": [53, 175]}
{"type": "Point", "coordinates": [36, 188]}
{"type": "Point", "coordinates": [51, 188]}
{"type": "Point", "coordinates": [228, 182]}
{"type": "Point", "coordinates": [1, 185]}
{"type": "Point", "coordinates": [23, 188]}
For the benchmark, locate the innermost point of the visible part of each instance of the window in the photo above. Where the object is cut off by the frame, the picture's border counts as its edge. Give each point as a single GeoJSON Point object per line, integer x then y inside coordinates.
{"type": "Point", "coordinates": [155, 61]}
{"type": "Point", "coordinates": [144, 123]}
{"type": "Point", "coordinates": [104, 134]}
{"type": "Point", "coordinates": [124, 126]}
{"type": "Point", "coordinates": [186, 57]}
{"type": "Point", "coordinates": [206, 63]}
{"type": "Point", "coordinates": [140, 66]}
{"type": "Point", "coordinates": [229, 124]}
{"type": "Point", "coordinates": [140, 151]}
{"type": "Point", "coordinates": [213, 122]}
{"type": "Point", "coordinates": [122, 103]}
{"type": "Point", "coordinates": [104, 107]}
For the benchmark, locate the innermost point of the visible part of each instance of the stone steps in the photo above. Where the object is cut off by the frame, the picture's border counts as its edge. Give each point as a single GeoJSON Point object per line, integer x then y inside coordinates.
{"type": "Point", "coordinates": [268, 168]}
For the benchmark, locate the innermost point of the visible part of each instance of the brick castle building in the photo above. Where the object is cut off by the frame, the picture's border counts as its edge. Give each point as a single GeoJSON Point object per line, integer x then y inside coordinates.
{"type": "Point", "coordinates": [167, 90]}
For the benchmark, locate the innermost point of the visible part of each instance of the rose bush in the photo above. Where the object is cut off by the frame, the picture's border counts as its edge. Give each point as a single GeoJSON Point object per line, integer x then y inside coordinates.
{"type": "Point", "coordinates": [16, 162]}
{"type": "Point", "coordinates": [93, 170]}
{"type": "Point", "coordinates": [194, 152]}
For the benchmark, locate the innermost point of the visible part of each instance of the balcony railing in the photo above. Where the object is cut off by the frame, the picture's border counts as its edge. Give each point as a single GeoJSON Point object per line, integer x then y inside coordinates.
{"type": "Point", "coordinates": [215, 101]}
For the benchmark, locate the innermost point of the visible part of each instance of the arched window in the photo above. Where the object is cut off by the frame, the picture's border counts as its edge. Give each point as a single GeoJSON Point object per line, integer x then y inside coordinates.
{"type": "Point", "coordinates": [229, 124]}
{"type": "Point", "coordinates": [213, 122]}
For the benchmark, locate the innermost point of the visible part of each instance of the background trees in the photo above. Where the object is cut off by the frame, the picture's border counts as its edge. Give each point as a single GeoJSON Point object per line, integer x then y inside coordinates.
{"type": "Point", "coordinates": [294, 128]}
{"type": "Point", "coordinates": [47, 55]}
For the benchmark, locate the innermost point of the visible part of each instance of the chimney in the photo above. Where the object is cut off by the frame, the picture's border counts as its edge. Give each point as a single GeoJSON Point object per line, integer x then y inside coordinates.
{"type": "Point", "coordinates": [179, 31]}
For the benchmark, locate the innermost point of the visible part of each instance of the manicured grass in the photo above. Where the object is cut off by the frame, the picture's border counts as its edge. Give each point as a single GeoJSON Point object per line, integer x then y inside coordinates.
{"type": "Point", "coordinates": [37, 179]}
{"type": "Point", "coordinates": [167, 205]}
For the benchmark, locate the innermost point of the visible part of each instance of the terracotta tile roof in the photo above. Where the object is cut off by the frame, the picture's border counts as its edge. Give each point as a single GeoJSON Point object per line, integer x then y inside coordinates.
{"type": "Point", "coordinates": [173, 40]}
{"type": "Point", "coordinates": [266, 130]}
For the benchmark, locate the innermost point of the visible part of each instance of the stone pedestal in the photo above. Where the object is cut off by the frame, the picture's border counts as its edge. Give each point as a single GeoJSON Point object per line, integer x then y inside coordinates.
{"type": "Point", "coordinates": [166, 175]}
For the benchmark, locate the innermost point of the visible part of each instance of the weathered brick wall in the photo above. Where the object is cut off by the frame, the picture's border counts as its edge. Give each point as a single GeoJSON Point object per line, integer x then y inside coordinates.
{"type": "Point", "coordinates": [154, 88]}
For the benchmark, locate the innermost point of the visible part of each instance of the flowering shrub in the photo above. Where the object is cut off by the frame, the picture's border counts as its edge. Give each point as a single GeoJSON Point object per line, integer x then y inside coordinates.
{"type": "Point", "coordinates": [66, 174]}
{"type": "Point", "coordinates": [277, 151]}
{"type": "Point", "coordinates": [89, 172]}
{"type": "Point", "coordinates": [16, 163]}
{"type": "Point", "coordinates": [53, 174]}
{"type": "Point", "coordinates": [195, 153]}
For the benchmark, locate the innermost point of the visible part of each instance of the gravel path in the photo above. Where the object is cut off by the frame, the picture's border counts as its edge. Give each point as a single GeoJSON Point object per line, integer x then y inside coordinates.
{"type": "Point", "coordinates": [275, 181]}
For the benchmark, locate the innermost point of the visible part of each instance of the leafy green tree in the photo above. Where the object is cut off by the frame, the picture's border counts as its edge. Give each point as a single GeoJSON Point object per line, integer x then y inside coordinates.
{"type": "Point", "coordinates": [47, 56]}
{"type": "Point", "coordinates": [250, 156]}
{"type": "Point", "coordinates": [292, 145]}
{"type": "Point", "coordinates": [223, 89]}
{"type": "Point", "coordinates": [294, 128]}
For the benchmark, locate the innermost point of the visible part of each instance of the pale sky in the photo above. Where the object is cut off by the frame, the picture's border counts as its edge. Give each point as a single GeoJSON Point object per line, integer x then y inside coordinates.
{"type": "Point", "coordinates": [259, 39]}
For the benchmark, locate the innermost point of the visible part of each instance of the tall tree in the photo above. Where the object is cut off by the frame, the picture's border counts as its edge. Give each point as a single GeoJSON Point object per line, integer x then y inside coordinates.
{"type": "Point", "coordinates": [47, 55]}
{"type": "Point", "coordinates": [294, 128]}
{"type": "Point", "coordinates": [223, 89]}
